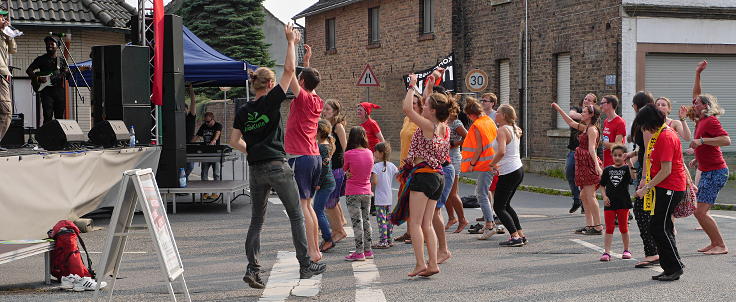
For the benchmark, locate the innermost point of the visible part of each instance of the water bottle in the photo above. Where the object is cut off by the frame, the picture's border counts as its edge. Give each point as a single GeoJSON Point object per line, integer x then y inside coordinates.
{"type": "Point", "coordinates": [182, 178]}
{"type": "Point", "coordinates": [132, 137]}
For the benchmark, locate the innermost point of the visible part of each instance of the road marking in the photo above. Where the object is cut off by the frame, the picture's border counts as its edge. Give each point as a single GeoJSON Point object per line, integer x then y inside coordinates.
{"type": "Point", "coordinates": [617, 255]}
{"type": "Point", "coordinates": [274, 200]}
{"type": "Point", "coordinates": [532, 216]}
{"type": "Point", "coordinates": [723, 216]}
{"type": "Point", "coordinates": [284, 280]}
{"type": "Point", "coordinates": [366, 276]}
{"type": "Point", "coordinates": [123, 252]}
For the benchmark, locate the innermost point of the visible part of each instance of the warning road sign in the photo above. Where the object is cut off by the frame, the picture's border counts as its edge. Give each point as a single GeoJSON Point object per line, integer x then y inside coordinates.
{"type": "Point", "coordinates": [368, 78]}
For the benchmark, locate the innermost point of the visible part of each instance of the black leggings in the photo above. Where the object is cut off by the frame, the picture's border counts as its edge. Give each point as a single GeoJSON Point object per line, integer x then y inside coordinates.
{"type": "Point", "coordinates": [661, 228]}
{"type": "Point", "coordinates": [505, 190]}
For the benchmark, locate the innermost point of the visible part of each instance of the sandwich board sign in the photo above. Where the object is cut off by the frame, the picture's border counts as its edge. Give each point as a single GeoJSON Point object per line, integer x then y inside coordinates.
{"type": "Point", "coordinates": [368, 78]}
{"type": "Point", "coordinates": [139, 188]}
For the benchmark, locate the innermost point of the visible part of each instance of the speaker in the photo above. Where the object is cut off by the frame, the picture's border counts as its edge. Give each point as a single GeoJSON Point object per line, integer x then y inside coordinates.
{"type": "Point", "coordinates": [140, 118]}
{"type": "Point", "coordinates": [109, 133]}
{"type": "Point", "coordinates": [15, 136]}
{"type": "Point", "coordinates": [121, 76]}
{"type": "Point", "coordinates": [173, 44]}
{"type": "Point", "coordinates": [173, 92]}
{"type": "Point", "coordinates": [171, 160]}
{"type": "Point", "coordinates": [59, 134]}
{"type": "Point", "coordinates": [173, 128]}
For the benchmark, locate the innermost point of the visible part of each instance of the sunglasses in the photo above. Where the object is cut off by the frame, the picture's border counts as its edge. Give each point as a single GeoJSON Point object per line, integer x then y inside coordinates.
{"type": "Point", "coordinates": [486, 101]}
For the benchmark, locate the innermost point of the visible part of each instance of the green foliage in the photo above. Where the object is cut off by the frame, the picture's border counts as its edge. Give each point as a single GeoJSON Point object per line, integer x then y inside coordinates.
{"type": "Point", "coordinates": [556, 173]}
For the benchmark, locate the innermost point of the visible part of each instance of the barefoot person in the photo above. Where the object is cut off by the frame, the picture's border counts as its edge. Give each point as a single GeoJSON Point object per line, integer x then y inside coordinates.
{"type": "Point", "coordinates": [707, 142]}
{"type": "Point", "coordinates": [257, 132]}
{"type": "Point", "coordinates": [421, 174]}
{"type": "Point", "coordinates": [454, 205]}
{"type": "Point", "coordinates": [335, 216]}
{"type": "Point", "coordinates": [587, 164]}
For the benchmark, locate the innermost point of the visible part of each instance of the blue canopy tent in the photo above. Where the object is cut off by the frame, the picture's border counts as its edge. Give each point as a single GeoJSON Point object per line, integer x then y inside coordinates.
{"type": "Point", "coordinates": [203, 66]}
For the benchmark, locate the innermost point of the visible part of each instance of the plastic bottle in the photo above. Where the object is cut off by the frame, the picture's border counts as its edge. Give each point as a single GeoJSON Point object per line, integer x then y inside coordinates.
{"type": "Point", "coordinates": [182, 178]}
{"type": "Point", "coordinates": [132, 137]}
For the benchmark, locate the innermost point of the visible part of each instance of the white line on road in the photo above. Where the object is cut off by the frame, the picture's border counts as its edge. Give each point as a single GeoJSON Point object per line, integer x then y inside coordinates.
{"type": "Point", "coordinates": [723, 216]}
{"type": "Point", "coordinates": [274, 200]}
{"type": "Point", "coordinates": [284, 280]}
{"type": "Point", "coordinates": [123, 252]}
{"type": "Point", "coordinates": [532, 216]}
{"type": "Point", "coordinates": [366, 276]}
{"type": "Point", "coordinates": [617, 255]}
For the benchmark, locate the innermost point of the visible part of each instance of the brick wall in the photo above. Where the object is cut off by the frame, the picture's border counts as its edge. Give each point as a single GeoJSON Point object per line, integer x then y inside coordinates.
{"type": "Point", "coordinates": [401, 51]}
{"type": "Point", "coordinates": [589, 31]}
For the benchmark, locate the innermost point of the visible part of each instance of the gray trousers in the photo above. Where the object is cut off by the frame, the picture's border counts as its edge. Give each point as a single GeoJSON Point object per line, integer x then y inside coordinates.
{"type": "Point", "coordinates": [6, 107]}
{"type": "Point", "coordinates": [279, 176]}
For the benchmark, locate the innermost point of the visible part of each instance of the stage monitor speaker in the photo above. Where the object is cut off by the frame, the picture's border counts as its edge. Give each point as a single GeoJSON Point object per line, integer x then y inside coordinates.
{"type": "Point", "coordinates": [59, 134]}
{"type": "Point", "coordinates": [15, 136]}
{"type": "Point", "coordinates": [138, 117]}
{"type": "Point", "coordinates": [173, 44]}
{"type": "Point", "coordinates": [121, 78]}
{"type": "Point", "coordinates": [171, 160]}
{"type": "Point", "coordinates": [109, 133]}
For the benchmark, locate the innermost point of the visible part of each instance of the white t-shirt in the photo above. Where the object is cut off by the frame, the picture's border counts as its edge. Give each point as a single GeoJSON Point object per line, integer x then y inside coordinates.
{"type": "Point", "coordinates": [382, 191]}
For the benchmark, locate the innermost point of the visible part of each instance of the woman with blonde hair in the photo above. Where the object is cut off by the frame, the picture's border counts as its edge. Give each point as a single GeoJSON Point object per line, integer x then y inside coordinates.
{"type": "Point", "coordinates": [680, 126]}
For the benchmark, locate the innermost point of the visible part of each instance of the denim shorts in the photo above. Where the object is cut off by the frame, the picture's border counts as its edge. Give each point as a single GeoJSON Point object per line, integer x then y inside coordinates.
{"type": "Point", "coordinates": [449, 177]}
{"type": "Point", "coordinates": [306, 173]}
{"type": "Point", "coordinates": [711, 183]}
{"type": "Point", "coordinates": [457, 159]}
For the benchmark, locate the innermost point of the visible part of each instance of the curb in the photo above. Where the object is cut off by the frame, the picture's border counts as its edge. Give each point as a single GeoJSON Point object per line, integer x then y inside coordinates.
{"type": "Point", "coordinates": [559, 192]}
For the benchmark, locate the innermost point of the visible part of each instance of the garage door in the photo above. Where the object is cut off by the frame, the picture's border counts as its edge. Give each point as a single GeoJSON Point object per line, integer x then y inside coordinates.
{"type": "Point", "coordinates": [672, 75]}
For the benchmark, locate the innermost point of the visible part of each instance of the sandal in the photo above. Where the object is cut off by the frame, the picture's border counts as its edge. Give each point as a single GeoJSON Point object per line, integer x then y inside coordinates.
{"type": "Point", "coordinates": [324, 249]}
{"type": "Point", "coordinates": [381, 245]}
{"type": "Point", "coordinates": [605, 257]}
{"type": "Point", "coordinates": [645, 264]}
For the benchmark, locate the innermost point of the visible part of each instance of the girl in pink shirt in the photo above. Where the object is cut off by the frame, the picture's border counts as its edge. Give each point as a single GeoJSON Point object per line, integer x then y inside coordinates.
{"type": "Point", "coordinates": [358, 163]}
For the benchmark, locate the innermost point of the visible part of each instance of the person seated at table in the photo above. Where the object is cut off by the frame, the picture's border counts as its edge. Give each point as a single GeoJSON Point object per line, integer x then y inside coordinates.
{"type": "Point", "coordinates": [209, 132]}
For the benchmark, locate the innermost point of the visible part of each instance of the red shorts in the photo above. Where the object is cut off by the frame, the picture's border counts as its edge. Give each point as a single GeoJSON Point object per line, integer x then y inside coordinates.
{"type": "Point", "coordinates": [623, 220]}
{"type": "Point", "coordinates": [494, 182]}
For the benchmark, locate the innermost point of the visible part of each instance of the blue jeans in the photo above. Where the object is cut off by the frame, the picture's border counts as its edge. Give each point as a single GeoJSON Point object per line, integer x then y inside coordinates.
{"type": "Point", "coordinates": [449, 175]}
{"type": "Point", "coordinates": [481, 191]}
{"type": "Point", "coordinates": [320, 200]}
{"type": "Point", "coordinates": [570, 175]}
{"type": "Point", "coordinates": [189, 168]}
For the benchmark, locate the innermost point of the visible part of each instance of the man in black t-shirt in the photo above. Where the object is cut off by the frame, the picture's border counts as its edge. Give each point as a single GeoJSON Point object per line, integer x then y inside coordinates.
{"type": "Point", "coordinates": [48, 81]}
{"type": "Point", "coordinates": [257, 132]}
{"type": "Point", "coordinates": [210, 132]}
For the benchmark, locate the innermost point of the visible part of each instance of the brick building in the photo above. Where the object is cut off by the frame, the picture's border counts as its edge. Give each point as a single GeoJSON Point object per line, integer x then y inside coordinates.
{"type": "Point", "coordinates": [86, 23]}
{"type": "Point", "coordinates": [574, 47]}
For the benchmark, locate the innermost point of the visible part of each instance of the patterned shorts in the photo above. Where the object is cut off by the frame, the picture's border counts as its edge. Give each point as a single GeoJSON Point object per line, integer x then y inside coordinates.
{"type": "Point", "coordinates": [710, 184]}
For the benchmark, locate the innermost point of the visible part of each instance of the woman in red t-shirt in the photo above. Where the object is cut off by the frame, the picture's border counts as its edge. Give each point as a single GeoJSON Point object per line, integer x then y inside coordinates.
{"type": "Point", "coordinates": [664, 187]}
{"type": "Point", "coordinates": [370, 125]}
{"type": "Point", "coordinates": [709, 137]}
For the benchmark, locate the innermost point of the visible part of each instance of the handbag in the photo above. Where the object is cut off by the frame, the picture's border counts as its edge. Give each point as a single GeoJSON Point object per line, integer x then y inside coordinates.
{"type": "Point", "coordinates": [687, 206]}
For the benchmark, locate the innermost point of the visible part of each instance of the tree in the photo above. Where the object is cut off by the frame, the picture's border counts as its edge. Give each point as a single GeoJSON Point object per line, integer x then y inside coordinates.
{"type": "Point", "coordinates": [233, 27]}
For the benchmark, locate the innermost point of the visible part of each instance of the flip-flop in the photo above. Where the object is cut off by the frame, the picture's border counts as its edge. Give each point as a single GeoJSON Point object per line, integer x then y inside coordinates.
{"type": "Point", "coordinates": [645, 264]}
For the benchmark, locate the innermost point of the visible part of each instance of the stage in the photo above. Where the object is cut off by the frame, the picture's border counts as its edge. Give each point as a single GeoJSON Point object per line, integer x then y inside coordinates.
{"type": "Point", "coordinates": [39, 188]}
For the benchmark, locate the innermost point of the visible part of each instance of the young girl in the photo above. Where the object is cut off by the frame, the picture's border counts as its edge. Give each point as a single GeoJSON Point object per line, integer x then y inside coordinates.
{"type": "Point", "coordinates": [335, 216]}
{"type": "Point", "coordinates": [615, 190]}
{"type": "Point", "coordinates": [326, 184]}
{"type": "Point", "coordinates": [358, 162]}
{"type": "Point", "coordinates": [382, 177]}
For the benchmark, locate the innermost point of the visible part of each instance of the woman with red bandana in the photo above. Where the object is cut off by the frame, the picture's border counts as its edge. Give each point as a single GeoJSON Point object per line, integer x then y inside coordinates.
{"type": "Point", "coordinates": [370, 125]}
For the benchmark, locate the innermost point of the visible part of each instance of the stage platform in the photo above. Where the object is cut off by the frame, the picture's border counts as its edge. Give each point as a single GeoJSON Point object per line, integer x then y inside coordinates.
{"type": "Point", "coordinates": [39, 188]}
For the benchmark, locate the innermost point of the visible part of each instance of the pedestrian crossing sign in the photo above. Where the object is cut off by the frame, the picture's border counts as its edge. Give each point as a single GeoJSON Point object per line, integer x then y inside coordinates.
{"type": "Point", "coordinates": [368, 78]}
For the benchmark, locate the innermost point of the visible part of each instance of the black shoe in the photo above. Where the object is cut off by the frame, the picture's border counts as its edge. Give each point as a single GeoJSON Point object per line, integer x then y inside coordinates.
{"type": "Point", "coordinates": [523, 239]}
{"type": "Point", "coordinates": [311, 270]}
{"type": "Point", "coordinates": [581, 230]}
{"type": "Point", "coordinates": [582, 210]}
{"type": "Point", "coordinates": [657, 276]}
{"type": "Point", "coordinates": [670, 277]}
{"type": "Point", "coordinates": [476, 229]}
{"type": "Point", "coordinates": [575, 206]}
{"type": "Point", "coordinates": [512, 242]}
{"type": "Point", "coordinates": [253, 279]}
{"type": "Point", "coordinates": [592, 231]}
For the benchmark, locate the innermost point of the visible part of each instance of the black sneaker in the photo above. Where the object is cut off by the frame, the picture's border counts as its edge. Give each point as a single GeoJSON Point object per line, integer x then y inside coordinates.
{"type": "Point", "coordinates": [476, 229]}
{"type": "Point", "coordinates": [512, 242]}
{"type": "Point", "coordinates": [253, 279]}
{"type": "Point", "coordinates": [523, 239]}
{"type": "Point", "coordinates": [311, 270]}
{"type": "Point", "coordinates": [581, 230]}
{"type": "Point", "coordinates": [575, 206]}
{"type": "Point", "coordinates": [592, 231]}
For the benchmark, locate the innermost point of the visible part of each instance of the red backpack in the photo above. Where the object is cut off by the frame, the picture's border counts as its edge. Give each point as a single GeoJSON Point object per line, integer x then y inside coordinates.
{"type": "Point", "coordinates": [65, 257]}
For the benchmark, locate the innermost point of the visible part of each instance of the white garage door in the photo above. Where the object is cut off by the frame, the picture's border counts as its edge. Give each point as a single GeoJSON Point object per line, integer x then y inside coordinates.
{"type": "Point", "coordinates": [672, 75]}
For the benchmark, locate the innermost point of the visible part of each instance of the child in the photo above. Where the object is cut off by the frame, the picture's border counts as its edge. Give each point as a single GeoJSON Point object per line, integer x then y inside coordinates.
{"type": "Point", "coordinates": [326, 182]}
{"type": "Point", "coordinates": [382, 175]}
{"type": "Point", "coordinates": [358, 162]}
{"type": "Point", "coordinates": [615, 182]}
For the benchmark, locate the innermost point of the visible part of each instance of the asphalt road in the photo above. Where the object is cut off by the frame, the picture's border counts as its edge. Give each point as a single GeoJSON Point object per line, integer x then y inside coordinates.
{"type": "Point", "coordinates": [552, 267]}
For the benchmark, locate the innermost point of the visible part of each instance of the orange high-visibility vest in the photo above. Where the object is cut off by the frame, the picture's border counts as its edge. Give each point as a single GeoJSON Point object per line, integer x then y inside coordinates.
{"type": "Point", "coordinates": [488, 132]}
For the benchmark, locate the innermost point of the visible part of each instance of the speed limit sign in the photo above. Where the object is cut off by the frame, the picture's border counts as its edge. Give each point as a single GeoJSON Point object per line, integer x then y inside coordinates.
{"type": "Point", "coordinates": [476, 80]}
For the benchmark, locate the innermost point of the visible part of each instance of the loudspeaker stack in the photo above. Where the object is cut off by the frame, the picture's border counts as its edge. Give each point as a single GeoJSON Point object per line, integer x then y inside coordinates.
{"type": "Point", "coordinates": [173, 153]}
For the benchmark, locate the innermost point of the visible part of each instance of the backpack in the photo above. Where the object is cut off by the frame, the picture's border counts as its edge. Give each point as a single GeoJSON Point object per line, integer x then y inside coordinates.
{"type": "Point", "coordinates": [65, 257]}
{"type": "Point", "coordinates": [470, 201]}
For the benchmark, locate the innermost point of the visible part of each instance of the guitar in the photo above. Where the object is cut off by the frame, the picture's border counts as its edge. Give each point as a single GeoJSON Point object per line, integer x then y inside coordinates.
{"type": "Point", "coordinates": [41, 81]}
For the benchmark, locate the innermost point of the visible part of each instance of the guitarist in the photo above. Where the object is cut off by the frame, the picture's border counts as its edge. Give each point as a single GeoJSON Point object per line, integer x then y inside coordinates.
{"type": "Point", "coordinates": [7, 47]}
{"type": "Point", "coordinates": [48, 81]}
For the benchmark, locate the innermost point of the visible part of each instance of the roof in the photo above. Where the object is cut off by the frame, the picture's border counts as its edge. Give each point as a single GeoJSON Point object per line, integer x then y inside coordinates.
{"type": "Point", "coordinates": [322, 6]}
{"type": "Point", "coordinates": [84, 13]}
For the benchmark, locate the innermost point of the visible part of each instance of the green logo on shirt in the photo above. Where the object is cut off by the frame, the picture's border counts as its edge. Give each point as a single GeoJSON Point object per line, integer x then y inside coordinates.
{"type": "Point", "coordinates": [256, 121]}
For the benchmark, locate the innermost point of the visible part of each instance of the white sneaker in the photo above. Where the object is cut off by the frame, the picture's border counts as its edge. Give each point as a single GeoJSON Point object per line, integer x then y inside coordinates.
{"type": "Point", "coordinates": [67, 282]}
{"type": "Point", "coordinates": [87, 283]}
{"type": "Point", "coordinates": [487, 233]}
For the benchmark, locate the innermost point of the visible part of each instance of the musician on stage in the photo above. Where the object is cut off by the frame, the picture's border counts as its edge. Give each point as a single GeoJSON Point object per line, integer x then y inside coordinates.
{"type": "Point", "coordinates": [7, 47]}
{"type": "Point", "coordinates": [47, 73]}
{"type": "Point", "coordinates": [209, 132]}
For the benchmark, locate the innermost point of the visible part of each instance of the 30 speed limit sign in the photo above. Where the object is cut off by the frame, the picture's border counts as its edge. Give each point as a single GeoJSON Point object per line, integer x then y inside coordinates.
{"type": "Point", "coordinates": [476, 80]}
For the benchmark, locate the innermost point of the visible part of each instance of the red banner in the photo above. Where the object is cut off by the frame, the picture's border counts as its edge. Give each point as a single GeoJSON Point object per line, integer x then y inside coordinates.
{"type": "Point", "coordinates": [158, 52]}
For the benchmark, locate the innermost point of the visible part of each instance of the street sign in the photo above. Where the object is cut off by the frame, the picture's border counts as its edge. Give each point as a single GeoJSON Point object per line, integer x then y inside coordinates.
{"type": "Point", "coordinates": [368, 78]}
{"type": "Point", "coordinates": [476, 80]}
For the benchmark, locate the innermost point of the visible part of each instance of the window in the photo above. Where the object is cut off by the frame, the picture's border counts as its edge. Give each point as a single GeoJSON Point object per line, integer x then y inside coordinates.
{"type": "Point", "coordinates": [427, 16]}
{"type": "Point", "coordinates": [373, 32]}
{"type": "Point", "coordinates": [504, 89]}
{"type": "Point", "coordinates": [330, 34]}
{"type": "Point", "coordinates": [563, 87]}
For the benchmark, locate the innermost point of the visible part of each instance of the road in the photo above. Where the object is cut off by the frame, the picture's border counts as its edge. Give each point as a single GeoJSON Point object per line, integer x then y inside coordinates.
{"type": "Point", "coordinates": [556, 265]}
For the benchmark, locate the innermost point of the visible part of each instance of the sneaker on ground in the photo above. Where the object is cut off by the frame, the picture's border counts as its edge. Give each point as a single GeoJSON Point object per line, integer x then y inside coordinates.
{"type": "Point", "coordinates": [368, 254]}
{"type": "Point", "coordinates": [205, 196]}
{"type": "Point", "coordinates": [523, 239]}
{"type": "Point", "coordinates": [87, 283]}
{"type": "Point", "coordinates": [580, 230]}
{"type": "Point", "coordinates": [67, 282]}
{"type": "Point", "coordinates": [253, 278]}
{"type": "Point", "coordinates": [626, 255]}
{"type": "Point", "coordinates": [512, 242]}
{"type": "Point", "coordinates": [312, 269]}
{"type": "Point", "coordinates": [592, 231]}
{"type": "Point", "coordinates": [215, 196]}
{"type": "Point", "coordinates": [487, 233]}
{"type": "Point", "coordinates": [500, 229]}
{"type": "Point", "coordinates": [354, 256]}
